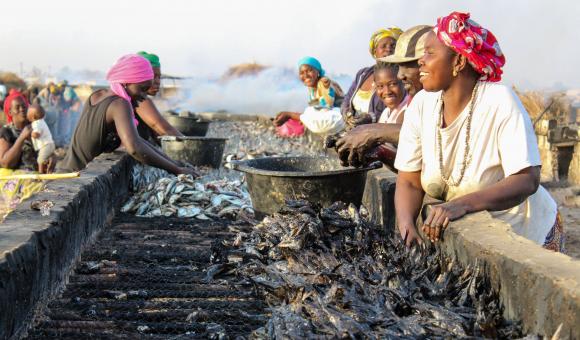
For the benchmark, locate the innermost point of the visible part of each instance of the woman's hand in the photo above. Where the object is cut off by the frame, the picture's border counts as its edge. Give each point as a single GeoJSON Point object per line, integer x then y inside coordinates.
{"type": "Point", "coordinates": [439, 217]}
{"type": "Point", "coordinates": [284, 116]}
{"type": "Point", "coordinates": [26, 132]}
{"type": "Point", "coordinates": [185, 170]}
{"type": "Point", "coordinates": [353, 146]}
{"type": "Point", "coordinates": [410, 235]}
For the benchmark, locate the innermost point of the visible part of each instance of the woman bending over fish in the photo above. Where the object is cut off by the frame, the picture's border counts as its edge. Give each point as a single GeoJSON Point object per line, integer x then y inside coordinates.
{"type": "Point", "coordinates": [468, 141]}
{"type": "Point", "coordinates": [108, 120]}
{"type": "Point", "coordinates": [322, 116]}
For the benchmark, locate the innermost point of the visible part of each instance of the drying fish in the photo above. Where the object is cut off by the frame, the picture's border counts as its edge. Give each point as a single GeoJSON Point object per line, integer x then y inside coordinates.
{"type": "Point", "coordinates": [330, 273]}
{"type": "Point", "coordinates": [201, 198]}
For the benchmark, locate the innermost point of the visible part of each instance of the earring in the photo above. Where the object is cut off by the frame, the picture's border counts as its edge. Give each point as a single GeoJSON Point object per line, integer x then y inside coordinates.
{"type": "Point", "coordinates": [454, 72]}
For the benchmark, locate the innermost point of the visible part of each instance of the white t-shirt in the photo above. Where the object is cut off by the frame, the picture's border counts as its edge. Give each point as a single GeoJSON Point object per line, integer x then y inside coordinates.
{"type": "Point", "coordinates": [45, 135]}
{"type": "Point", "coordinates": [502, 142]}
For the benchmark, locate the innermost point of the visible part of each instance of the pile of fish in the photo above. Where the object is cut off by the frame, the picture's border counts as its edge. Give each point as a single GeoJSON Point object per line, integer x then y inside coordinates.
{"type": "Point", "coordinates": [183, 196]}
{"type": "Point", "coordinates": [248, 140]}
{"type": "Point", "coordinates": [330, 273]}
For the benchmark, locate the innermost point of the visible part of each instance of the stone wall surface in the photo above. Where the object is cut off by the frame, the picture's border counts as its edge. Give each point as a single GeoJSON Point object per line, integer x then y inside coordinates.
{"type": "Point", "coordinates": [37, 252]}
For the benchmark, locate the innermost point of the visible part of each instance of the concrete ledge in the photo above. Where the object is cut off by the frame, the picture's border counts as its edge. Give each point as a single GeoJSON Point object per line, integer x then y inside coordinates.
{"type": "Point", "coordinates": [379, 196]}
{"type": "Point", "coordinates": [36, 252]}
{"type": "Point", "coordinates": [539, 287]}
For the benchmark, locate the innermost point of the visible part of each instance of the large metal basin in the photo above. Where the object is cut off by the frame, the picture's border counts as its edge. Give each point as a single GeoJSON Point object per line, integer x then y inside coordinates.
{"type": "Point", "coordinates": [272, 180]}
{"type": "Point", "coordinates": [198, 151]}
{"type": "Point", "coordinates": [187, 123]}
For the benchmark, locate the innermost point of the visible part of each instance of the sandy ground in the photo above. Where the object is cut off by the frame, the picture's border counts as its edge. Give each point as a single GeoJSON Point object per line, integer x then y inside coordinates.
{"type": "Point", "coordinates": [569, 204]}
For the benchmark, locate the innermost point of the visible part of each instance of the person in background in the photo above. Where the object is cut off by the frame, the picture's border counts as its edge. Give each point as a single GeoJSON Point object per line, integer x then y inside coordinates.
{"type": "Point", "coordinates": [370, 142]}
{"type": "Point", "coordinates": [468, 141]}
{"type": "Point", "coordinates": [17, 156]}
{"type": "Point", "coordinates": [108, 120]}
{"type": "Point", "coordinates": [13, 94]}
{"type": "Point", "coordinates": [151, 122]}
{"type": "Point", "coordinates": [41, 137]}
{"type": "Point", "coordinates": [51, 100]}
{"type": "Point", "coordinates": [322, 116]}
{"type": "Point", "coordinates": [71, 106]}
{"type": "Point", "coordinates": [361, 104]}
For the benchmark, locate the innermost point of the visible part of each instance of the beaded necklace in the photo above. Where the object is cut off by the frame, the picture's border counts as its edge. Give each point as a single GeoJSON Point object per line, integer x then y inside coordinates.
{"type": "Point", "coordinates": [447, 179]}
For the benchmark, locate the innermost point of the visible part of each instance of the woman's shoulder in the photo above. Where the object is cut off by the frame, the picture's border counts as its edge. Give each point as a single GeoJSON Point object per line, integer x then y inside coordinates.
{"type": "Point", "coordinates": [502, 98]}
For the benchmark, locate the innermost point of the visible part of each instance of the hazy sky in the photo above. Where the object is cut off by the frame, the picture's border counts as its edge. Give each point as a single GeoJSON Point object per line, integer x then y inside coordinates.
{"type": "Point", "coordinates": [541, 39]}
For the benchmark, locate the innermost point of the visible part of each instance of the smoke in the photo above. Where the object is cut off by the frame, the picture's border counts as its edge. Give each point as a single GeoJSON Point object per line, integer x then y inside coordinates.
{"type": "Point", "coordinates": [268, 92]}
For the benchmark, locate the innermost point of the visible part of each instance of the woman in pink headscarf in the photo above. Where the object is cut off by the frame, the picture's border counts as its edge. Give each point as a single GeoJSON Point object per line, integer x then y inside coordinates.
{"type": "Point", "coordinates": [108, 120]}
{"type": "Point", "coordinates": [468, 141]}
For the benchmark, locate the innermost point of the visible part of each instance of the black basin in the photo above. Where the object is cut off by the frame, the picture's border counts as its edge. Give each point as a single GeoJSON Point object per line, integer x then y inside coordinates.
{"type": "Point", "coordinates": [187, 123]}
{"type": "Point", "coordinates": [272, 180]}
{"type": "Point", "coordinates": [198, 151]}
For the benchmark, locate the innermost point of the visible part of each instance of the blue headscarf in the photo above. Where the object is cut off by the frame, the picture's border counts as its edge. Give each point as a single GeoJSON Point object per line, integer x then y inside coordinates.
{"type": "Point", "coordinates": [312, 62]}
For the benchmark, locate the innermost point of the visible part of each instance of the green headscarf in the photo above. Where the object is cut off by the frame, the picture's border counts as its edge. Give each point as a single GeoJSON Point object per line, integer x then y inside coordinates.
{"type": "Point", "coordinates": [153, 58]}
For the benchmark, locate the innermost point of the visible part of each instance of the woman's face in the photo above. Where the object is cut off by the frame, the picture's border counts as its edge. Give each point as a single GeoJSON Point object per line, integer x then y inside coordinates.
{"type": "Point", "coordinates": [436, 65]}
{"type": "Point", "coordinates": [385, 47]}
{"type": "Point", "coordinates": [156, 82]}
{"type": "Point", "coordinates": [389, 88]}
{"type": "Point", "coordinates": [138, 91]}
{"type": "Point", "coordinates": [308, 75]}
{"type": "Point", "coordinates": [18, 112]}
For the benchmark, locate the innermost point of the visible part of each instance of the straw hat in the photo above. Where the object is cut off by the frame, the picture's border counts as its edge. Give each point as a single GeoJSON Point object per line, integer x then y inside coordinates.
{"type": "Point", "coordinates": [410, 45]}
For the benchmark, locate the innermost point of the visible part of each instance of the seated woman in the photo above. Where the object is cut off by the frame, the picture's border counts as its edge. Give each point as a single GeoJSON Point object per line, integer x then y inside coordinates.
{"type": "Point", "coordinates": [108, 120]}
{"type": "Point", "coordinates": [361, 105]}
{"type": "Point", "coordinates": [469, 141]}
{"type": "Point", "coordinates": [17, 156]}
{"type": "Point", "coordinates": [151, 122]}
{"type": "Point", "coordinates": [322, 116]}
{"type": "Point", "coordinates": [359, 145]}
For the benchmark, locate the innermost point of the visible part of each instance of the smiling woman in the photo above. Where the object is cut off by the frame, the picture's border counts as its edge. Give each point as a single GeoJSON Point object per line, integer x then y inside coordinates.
{"type": "Point", "coordinates": [108, 120]}
{"type": "Point", "coordinates": [322, 116]}
{"type": "Point", "coordinates": [468, 141]}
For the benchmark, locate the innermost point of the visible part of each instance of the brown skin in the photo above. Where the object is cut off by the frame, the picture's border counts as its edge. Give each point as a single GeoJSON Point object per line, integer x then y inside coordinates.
{"type": "Point", "coordinates": [385, 47]}
{"type": "Point", "coordinates": [356, 143]}
{"type": "Point", "coordinates": [409, 75]}
{"type": "Point", "coordinates": [437, 67]}
{"type": "Point", "coordinates": [149, 113]}
{"type": "Point", "coordinates": [119, 115]}
{"type": "Point", "coordinates": [309, 77]}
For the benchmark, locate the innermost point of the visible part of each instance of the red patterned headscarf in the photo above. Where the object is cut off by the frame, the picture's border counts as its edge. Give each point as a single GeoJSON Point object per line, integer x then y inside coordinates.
{"type": "Point", "coordinates": [478, 45]}
{"type": "Point", "coordinates": [8, 103]}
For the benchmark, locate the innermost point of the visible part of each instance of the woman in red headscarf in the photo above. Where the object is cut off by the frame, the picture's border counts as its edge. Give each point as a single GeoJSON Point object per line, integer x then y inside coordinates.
{"type": "Point", "coordinates": [468, 141]}
{"type": "Point", "coordinates": [108, 120]}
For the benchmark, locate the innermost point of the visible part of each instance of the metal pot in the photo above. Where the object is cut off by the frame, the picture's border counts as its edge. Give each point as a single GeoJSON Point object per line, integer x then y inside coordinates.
{"type": "Point", "coordinates": [272, 180]}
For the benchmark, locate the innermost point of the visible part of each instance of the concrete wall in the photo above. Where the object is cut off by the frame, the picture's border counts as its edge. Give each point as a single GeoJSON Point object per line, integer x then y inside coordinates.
{"type": "Point", "coordinates": [36, 252]}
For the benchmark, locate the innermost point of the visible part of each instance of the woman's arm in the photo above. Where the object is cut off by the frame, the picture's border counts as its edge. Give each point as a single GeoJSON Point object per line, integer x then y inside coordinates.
{"type": "Point", "coordinates": [10, 154]}
{"type": "Point", "coordinates": [353, 146]}
{"type": "Point", "coordinates": [151, 116]}
{"type": "Point", "coordinates": [135, 145]}
{"type": "Point", "coordinates": [505, 194]}
{"type": "Point", "coordinates": [408, 201]}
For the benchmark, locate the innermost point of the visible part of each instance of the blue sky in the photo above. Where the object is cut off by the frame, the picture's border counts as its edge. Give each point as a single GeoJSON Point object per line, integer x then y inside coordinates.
{"type": "Point", "coordinates": [202, 38]}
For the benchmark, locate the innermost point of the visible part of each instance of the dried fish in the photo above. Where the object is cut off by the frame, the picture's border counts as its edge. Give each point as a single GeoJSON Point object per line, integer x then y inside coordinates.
{"type": "Point", "coordinates": [330, 273]}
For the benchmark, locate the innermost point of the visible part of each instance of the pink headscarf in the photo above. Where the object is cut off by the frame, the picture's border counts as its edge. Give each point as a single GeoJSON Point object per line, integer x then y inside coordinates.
{"type": "Point", "coordinates": [477, 44]}
{"type": "Point", "coordinates": [129, 69]}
